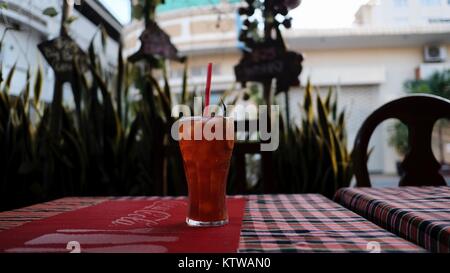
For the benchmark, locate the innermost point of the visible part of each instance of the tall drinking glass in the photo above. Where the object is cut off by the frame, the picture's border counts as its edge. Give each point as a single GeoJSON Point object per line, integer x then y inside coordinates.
{"type": "Point", "coordinates": [206, 145]}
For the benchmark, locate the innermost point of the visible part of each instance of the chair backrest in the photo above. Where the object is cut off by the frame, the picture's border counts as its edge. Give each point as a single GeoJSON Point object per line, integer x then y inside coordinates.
{"type": "Point", "coordinates": [419, 113]}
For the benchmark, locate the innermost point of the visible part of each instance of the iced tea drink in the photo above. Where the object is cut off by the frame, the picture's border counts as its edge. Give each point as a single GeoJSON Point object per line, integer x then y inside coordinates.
{"type": "Point", "coordinates": [206, 161]}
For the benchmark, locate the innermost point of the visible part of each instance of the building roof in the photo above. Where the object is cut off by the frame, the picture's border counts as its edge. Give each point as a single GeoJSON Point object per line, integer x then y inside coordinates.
{"type": "Point", "coordinates": [369, 37]}
{"type": "Point", "coordinates": [317, 39]}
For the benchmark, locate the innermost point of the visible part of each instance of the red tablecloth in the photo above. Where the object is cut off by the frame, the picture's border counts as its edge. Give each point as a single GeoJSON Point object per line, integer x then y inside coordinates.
{"type": "Point", "coordinates": [150, 225]}
{"type": "Point", "coordinates": [272, 223]}
{"type": "Point", "coordinates": [418, 214]}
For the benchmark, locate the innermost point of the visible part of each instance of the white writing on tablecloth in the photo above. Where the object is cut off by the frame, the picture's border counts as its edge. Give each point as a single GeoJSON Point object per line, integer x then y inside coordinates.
{"type": "Point", "coordinates": [150, 215]}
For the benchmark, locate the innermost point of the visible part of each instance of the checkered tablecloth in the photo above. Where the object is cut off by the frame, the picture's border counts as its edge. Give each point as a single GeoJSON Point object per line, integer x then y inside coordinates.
{"type": "Point", "coordinates": [272, 223]}
{"type": "Point", "coordinates": [311, 223]}
{"type": "Point", "coordinates": [418, 214]}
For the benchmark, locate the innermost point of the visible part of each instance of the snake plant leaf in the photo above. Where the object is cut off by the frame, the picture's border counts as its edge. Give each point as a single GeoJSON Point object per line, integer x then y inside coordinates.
{"type": "Point", "coordinates": [147, 92]}
{"type": "Point", "coordinates": [167, 87]}
{"type": "Point", "coordinates": [74, 141]}
{"type": "Point", "coordinates": [4, 106]}
{"type": "Point", "coordinates": [308, 107]}
{"type": "Point", "coordinates": [340, 126]}
{"type": "Point", "coordinates": [38, 86]}
{"type": "Point", "coordinates": [9, 77]}
{"type": "Point", "coordinates": [125, 95]}
{"type": "Point", "coordinates": [92, 54]}
{"type": "Point", "coordinates": [121, 74]}
{"type": "Point", "coordinates": [165, 101]}
{"type": "Point", "coordinates": [339, 154]}
{"type": "Point", "coordinates": [328, 99]}
{"type": "Point", "coordinates": [1, 68]}
{"type": "Point", "coordinates": [103, 37]}
{"type": "Point", "coordinates": [334, 108]}
{"type": "Point", "coordinates": [26, 93]}
{"type": "Point", "coordinates": [77, 90]}
{"type": "Point", "coordinates": [84, 83]}
{"type": "Point", "coordinates": [132, 135]}
{"type": "Point", "coordinates": [314, 156]}
{"type": "Point", "coordinates": [111, 119]}
{"type": "Point", "coordinates": [321, 161]}
{"type": "Point", "coordinates": [184, 85]}
{"type": "Point", "coordinates": [324, 125]}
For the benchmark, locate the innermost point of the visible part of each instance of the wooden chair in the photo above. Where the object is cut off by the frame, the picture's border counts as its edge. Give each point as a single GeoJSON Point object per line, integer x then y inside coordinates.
{"type": "Point", "coordinates": [419, 113]}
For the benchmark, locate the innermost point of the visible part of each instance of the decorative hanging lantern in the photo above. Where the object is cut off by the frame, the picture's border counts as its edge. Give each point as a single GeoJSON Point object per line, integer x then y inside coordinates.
{"type": "Point", "coordinates": [265, 57]}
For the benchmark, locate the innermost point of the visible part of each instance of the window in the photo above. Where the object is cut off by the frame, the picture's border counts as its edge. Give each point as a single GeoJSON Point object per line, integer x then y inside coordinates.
{"type": "Point", "coordinates": [401, 3]}
{"type": "Point", "coordinates": [430, 3]}
{"type": "Point", "coordinates": [200, 71]}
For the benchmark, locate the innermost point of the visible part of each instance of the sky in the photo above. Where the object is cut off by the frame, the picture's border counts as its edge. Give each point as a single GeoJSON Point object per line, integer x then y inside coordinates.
{"type": "Point", "coordinates": [119, 8]}
{"type": "Point", "coordinates": [325, 13]}
{"type": "Point", "coordinates": [310, 14]}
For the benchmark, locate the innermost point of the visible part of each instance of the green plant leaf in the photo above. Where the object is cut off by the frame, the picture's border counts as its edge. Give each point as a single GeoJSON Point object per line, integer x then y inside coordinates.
{"type": "Point", "coordinates": [1, 69]}
{"type": "Point", "coordinates": [398, 137]}
{"type": "Point", "coordinates": [307, 105]}
{"type": "Point", "coordinates": [165, 101]}
{"type": "Point", "coordinates": [121, 74]}
{"type": "Point", "coordinates": [137, 11]}
{"type": "Point", "coordinates": [70, 20]}
{"type": "Point", "coordinates": [38, 86]}
{"type": "Point", "coordinates": [92, 54]}
{"type": "Point", "coordinates": [184, 85]}
{"type": "Point", "coordinates": [166, 85]}
{"type": "Point", "coordinates": [26, 94]}
{"type": "Point", "coordinates": [328, 99]}
{"type": "Point", "coordinates": [334, 108]}
{"type": "Point", "coordinates": [111, 119]}
{"type": "Point", "coordinates": [50, 12]}
{"type": "Point", "coordinates": [323, 119]}
{"type": "Point", "coordinates": [104, 37]}
{"type": "Point", "coordinates": [77, 89]}
{"type": "Point", "coordinates": [9, 78]}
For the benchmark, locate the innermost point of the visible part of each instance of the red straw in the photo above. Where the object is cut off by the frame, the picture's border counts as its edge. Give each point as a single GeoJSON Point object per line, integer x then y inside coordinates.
{"type": "Point", "coordinates": [208, 87]}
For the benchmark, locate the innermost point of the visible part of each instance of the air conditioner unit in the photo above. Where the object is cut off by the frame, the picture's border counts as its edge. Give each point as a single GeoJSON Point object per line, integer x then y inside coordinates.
{"type": "Point", "coordinates": [434, 54]}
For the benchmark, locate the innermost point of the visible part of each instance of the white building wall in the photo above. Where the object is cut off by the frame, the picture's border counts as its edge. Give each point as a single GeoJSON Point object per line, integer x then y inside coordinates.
{"type": "Point", "coordinates": [21, 46]}
{"type": "Point", "coordinates": [405, 12]}
{"type": "Point", "coordinates": [368, 78]}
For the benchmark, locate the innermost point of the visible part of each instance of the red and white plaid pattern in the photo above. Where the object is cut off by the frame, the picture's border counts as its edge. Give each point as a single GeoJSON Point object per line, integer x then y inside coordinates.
{"type": "Point", "coordinates": [418, 214]}
{"type": "Point", "coordinates": [311, 223]}
{"type": "Point", "coordinates": [272, 223]}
